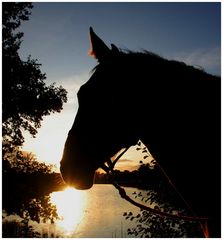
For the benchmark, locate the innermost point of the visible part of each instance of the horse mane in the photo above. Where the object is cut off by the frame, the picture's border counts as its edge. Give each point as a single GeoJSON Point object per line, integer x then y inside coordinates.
{"type": "Point", "coordinates": [152, 58]}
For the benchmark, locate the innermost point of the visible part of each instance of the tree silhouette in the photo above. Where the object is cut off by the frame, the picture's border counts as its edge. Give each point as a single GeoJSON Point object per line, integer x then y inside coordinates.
{"type": "Point", "coordinates": [26, 97]}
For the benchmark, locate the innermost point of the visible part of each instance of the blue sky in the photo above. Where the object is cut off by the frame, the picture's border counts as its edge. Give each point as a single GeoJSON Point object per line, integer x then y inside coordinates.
{"type": "Point", "coordinates": [57, 34]}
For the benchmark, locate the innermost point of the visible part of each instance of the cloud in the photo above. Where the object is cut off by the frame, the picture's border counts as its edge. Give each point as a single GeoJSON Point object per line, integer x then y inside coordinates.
{"type": "Point", "coordinates": [126, 164]}
{"type": "Point", "coordinates": [208, 59]}
{"type": "Point", "coordinates": [125, 161]}
{"type": "Point", "coordinates": [73, 83]}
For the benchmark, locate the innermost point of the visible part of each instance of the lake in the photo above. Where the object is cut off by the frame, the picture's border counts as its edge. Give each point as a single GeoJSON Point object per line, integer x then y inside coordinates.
{"type": "Point", "coordinates": [93, 213]}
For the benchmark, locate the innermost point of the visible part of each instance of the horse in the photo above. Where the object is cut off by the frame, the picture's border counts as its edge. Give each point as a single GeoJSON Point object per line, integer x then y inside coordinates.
{"type": "Point", "coordinates": [172, 107]}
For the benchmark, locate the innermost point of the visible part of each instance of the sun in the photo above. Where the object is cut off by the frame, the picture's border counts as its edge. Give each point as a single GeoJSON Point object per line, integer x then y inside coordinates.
{"type": "Point", "coordinates": [70, 205]}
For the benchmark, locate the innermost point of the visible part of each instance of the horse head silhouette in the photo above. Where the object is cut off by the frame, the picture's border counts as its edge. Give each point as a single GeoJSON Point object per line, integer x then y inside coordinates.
{"type": "Point", "coordinates": [98, 132]}
{"type": "Point", "coordinates": [172, 107]}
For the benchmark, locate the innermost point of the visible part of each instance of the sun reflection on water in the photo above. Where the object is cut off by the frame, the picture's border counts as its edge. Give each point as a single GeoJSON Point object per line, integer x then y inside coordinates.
{"type": "Point", "coordinates": [70, 205]}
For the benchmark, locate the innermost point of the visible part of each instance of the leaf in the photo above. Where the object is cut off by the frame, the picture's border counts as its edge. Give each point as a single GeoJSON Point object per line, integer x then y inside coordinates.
{"type": "Point", "coordinates": [157, 208]}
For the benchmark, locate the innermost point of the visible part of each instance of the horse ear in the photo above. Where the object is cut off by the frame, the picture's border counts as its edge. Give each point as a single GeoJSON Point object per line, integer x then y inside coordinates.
{"type": "Point", "coordinates": [99, 49]}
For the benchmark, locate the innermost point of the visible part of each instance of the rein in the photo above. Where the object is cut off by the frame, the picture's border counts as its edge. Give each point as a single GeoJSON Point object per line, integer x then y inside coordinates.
{"type": "Point", "coordinates": [109, 169]}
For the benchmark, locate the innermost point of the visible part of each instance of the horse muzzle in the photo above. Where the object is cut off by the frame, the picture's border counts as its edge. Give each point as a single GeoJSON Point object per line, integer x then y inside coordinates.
{"type": "Point", "coordinates": [81, 180]}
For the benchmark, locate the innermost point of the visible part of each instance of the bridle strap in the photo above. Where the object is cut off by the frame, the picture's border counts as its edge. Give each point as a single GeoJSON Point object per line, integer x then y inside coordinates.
{"type": "Point", "coordinates": [110, 165]}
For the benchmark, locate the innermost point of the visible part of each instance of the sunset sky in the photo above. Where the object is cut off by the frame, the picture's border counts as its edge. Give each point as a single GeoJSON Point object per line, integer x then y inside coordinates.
{"type": "Point", "coordinates": [57, 34]}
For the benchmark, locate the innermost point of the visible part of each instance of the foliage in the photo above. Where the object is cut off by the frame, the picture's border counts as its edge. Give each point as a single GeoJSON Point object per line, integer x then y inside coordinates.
{"type": "Point", "coordinates": [16, 229]}
{"type": "Point", "coordinates": [26, 97]}
{"type": "Point", "coordinates": [39, 209]}
{"type": "Point", "coordinates": [27, 162]}
{"type": "Point", "coordinates": [155, 226]}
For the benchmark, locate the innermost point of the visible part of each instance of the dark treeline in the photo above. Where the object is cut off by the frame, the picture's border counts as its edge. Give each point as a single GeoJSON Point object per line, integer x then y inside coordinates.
{"type": "Point", "coordinates": [145, 177]}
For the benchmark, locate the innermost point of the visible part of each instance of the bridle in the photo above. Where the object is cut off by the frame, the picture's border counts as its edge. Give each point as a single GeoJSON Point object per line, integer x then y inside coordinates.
{"type": "Point", "coordinates": [108, 167]}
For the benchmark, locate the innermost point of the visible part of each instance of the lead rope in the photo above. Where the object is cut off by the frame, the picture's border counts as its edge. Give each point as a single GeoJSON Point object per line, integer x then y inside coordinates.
{"type": "Point", "coordinates": [202, 220]}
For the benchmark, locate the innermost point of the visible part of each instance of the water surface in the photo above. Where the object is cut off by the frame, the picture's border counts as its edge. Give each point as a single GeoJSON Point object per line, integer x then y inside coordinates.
{"type": "Point", "coordinates": [94, 213]}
